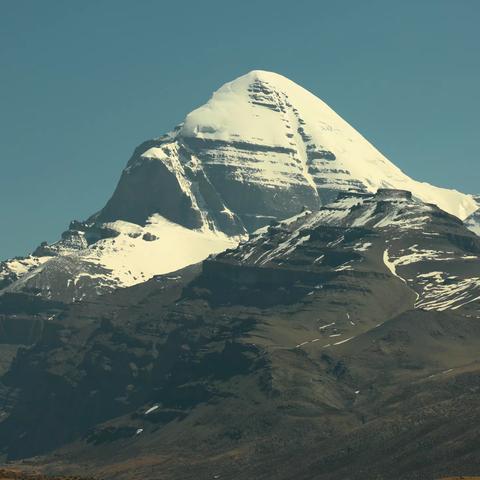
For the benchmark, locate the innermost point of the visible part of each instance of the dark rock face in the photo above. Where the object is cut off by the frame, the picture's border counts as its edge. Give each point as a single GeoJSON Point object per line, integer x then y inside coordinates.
{"type": "Point", "coordinates": [149, 237]}
{"type": "Point", "coordinates": [143, 191]}
{"type": "Point", "coordinates": [388, 193]}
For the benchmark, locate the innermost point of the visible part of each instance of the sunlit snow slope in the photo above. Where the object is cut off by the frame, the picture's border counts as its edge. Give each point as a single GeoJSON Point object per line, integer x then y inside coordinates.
{"type": "Point", "coordinates": [130, 255]}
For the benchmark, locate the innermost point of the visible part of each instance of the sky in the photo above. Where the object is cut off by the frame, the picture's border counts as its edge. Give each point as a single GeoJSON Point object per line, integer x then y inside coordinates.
{"type": "Point", "coordinates": [83, 83]}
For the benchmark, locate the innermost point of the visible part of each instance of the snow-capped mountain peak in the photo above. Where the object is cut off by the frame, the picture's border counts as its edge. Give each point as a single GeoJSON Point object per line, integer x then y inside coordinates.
{"type": "Point", "coordinates": [261, 149]}
{"type": "Point", "coordinates": [270, 111]}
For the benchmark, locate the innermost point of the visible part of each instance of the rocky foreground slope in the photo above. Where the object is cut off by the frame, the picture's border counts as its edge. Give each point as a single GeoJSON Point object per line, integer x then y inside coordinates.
{"type": "Point", "coordinates": [261, 149]}
{"type": "Point", "coordinates": [340, 343]}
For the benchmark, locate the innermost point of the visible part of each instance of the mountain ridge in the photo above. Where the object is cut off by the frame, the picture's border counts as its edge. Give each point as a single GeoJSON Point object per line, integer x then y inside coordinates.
{"type": "Point", "coordinates": [321, 347]}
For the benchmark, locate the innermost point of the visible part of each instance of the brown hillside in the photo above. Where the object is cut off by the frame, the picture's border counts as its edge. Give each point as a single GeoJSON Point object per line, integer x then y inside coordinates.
{"type": "Point", "coordinates": [19, 475]}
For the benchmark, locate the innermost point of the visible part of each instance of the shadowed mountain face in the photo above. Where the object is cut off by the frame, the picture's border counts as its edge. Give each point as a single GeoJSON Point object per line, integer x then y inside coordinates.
{"type": "Point", "coordinates": [340, 343]}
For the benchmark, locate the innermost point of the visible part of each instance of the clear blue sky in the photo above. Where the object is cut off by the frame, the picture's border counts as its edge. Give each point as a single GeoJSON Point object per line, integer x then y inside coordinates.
{"type": "Point", "coordinates": [83, 82]}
